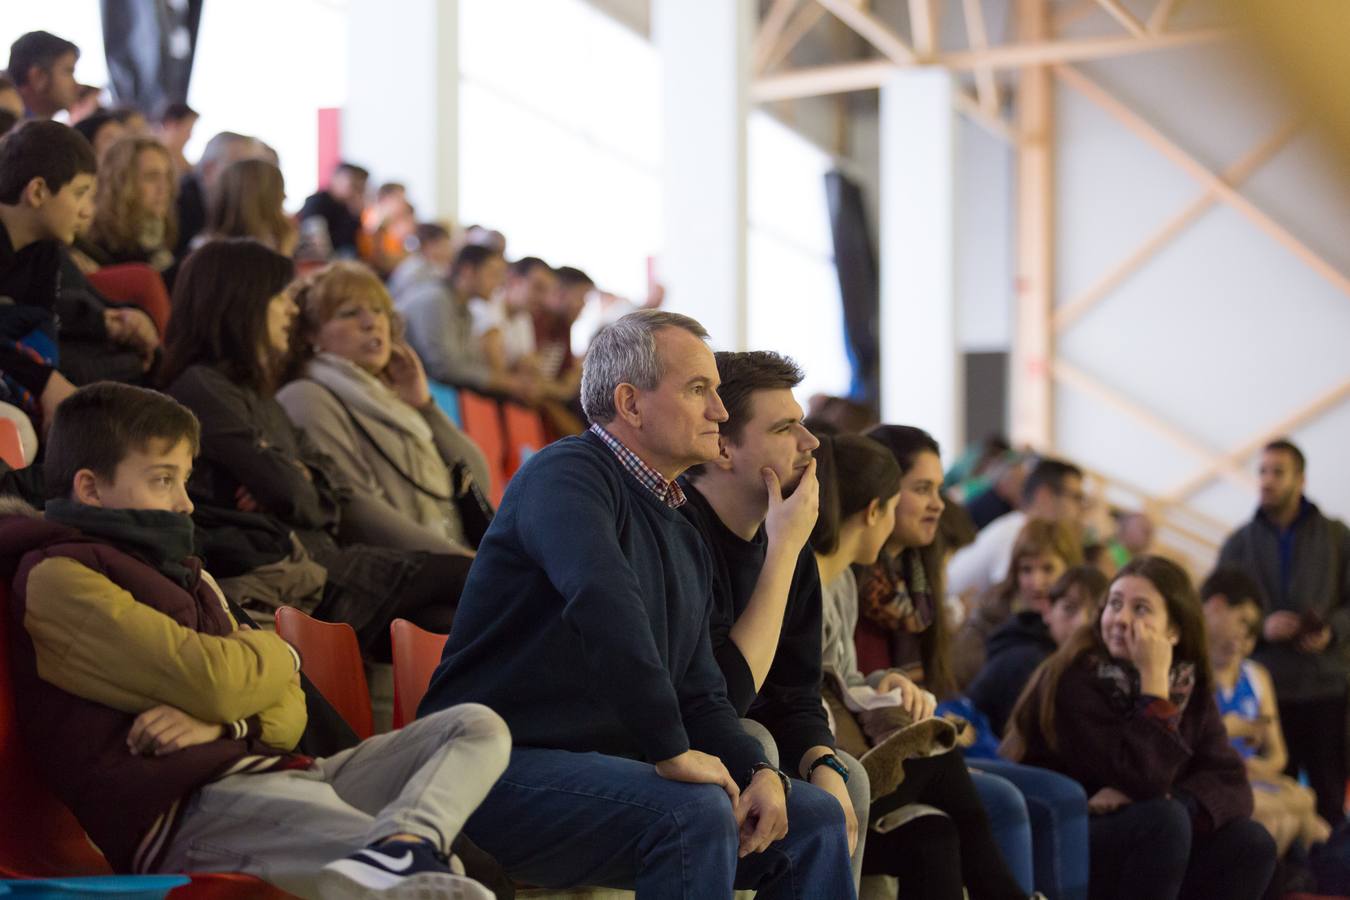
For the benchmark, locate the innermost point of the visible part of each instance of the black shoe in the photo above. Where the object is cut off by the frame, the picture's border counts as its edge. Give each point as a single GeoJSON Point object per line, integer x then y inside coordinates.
{"type": "Point", "coordinates": [397, 870]}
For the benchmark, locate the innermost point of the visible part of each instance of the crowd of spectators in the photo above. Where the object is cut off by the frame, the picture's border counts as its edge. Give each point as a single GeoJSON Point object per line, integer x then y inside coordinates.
{"type": "Point", "coordinates": [699, 616]}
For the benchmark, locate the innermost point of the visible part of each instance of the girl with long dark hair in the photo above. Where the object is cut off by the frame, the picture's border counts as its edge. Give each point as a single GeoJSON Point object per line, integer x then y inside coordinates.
{"type": "Point", "coordinates": [932, 855]}
{"type": "Point", "coordinates": [227, 345]}
{"type": "Point", "coordinates": [902, 626]}
{"type": "Point", "coordinates": [1126, 708]}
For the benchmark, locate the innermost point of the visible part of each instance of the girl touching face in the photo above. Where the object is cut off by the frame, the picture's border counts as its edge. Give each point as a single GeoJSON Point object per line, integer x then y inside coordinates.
{"type": "Point", "coordinates": [1133, 607]}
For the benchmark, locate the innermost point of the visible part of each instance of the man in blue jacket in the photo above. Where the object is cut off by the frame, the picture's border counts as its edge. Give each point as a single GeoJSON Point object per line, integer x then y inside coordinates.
{"type": "Point", "coordinates": [584, 623]}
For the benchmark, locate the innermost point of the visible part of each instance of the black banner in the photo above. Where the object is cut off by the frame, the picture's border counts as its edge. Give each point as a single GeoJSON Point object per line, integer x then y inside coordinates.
{"type": "Point", "coordinates": [150, 45]}
{"type": "Point", "coordinates": [859, 289]}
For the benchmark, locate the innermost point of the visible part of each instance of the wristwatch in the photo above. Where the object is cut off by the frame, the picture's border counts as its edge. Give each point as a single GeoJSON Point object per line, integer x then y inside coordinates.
{"type": "Point", "coordinates": [787, 782]}
{"type": "Point", "coordinates": [829, 760]}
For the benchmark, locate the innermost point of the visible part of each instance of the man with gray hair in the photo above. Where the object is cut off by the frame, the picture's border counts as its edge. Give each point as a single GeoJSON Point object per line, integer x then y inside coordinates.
{"type": "Point", "coordinates": [584, 623]}
{"type": "Point", "coordinates": [194, 188]}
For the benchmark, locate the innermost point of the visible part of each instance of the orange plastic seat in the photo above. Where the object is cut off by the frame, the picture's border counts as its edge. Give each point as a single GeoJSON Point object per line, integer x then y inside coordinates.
{"type": "Point", "coordinates": [483, 424]}
{"type": "Point", "coordinates": [11, 445]}
{"type": "Point", "coordinates": [525, 434]}
{"type": "Point", "coordinates": [331, 657]}
{"type": "Point", "coordinates": [138, 284]}
{"type": "Point", "coordinates": [417, 652]}
{"type": "Point", "coordinates": [40, 838]}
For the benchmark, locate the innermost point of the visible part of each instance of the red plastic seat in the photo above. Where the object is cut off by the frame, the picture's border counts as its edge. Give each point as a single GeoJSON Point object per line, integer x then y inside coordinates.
{"type": "Point", "coordinates": [525, 434]}
{"type": "Point", "coordinates": [40, 838]}
{"type": "Point", "coordinates": [331, 657]}
{"type": "Point", "coordinates": [417, 652]}
{"type": "Point", "coordinates": [138, 284]}
{"type": "Point", "coordinates": [11, 445]}
{"type": "Point", "coordinates": [483, 424]}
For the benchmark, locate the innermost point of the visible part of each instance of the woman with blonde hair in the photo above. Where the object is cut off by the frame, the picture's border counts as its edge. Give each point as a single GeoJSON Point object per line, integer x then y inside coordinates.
{"type": "Point", "coordinates": [247, 202]}
{"type": "Point", "coordinates": [134, 218]}
{"type": "Point", "coordinates": [359, 392]}
{"type": "Point", "coordinates": [259, 478]}
{"type": "Point", "coordinates": [1043, 551]}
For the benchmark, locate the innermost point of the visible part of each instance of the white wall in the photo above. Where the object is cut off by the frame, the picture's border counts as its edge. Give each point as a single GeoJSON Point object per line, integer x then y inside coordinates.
{"type": "Point", "coordinates": [268, 82]}
{"type": "Point", "coordinates": [984, 248]}
{"type": "Point", "coordinates": [1224, 332]}
{"type": "Point", "coordinates": [400, 116]}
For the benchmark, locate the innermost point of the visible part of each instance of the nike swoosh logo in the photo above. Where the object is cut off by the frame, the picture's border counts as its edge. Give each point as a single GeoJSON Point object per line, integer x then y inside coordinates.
{"type": "Point", "coordinates": [390, 862]}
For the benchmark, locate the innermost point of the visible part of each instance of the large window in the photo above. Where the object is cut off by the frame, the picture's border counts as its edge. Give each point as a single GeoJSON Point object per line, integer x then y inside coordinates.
{"type": "Point", "coordinates": [560, 136]}
{"type": "Point", "coordinates": [271, 81]}
{"type": "Point", "coordinates": [793, 288]}
{"type": "Point", "coordinates": [265, 81]}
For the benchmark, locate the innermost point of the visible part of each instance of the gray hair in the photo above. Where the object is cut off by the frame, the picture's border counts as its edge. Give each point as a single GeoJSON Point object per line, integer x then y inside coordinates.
{"type": "Point", "coordinates": [220, 151]}
{"type": "Point", "coordinates": [625, 353]}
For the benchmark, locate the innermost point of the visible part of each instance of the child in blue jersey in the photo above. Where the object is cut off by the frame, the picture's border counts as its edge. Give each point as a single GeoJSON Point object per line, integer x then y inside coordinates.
{"type": "Point", "coordinates": [1246, 697]}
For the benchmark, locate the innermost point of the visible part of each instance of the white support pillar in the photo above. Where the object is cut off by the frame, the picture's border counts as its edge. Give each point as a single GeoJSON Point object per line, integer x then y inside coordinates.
{"type": "Point", "coordinates": [705, 52]}
{"type": "Point", "coordinates": [402, 113]}
{"type": "Point", "coordinates": [921, 373]}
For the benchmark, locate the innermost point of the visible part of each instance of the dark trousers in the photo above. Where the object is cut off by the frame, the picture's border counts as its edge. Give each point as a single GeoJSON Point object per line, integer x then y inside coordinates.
{"type": "Point", "coordinates": [425, 592]}
{"type": "Point", "coordinates": [1147, 849]}
{"type": "Point", "coordinates": [933, 856]}
{"type": "Point", "coordinates": [1314, 732]}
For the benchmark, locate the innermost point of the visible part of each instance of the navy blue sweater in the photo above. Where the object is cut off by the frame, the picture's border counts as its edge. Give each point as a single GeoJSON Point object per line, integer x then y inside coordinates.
{"type": "Point", "coordinates": [584, 621]}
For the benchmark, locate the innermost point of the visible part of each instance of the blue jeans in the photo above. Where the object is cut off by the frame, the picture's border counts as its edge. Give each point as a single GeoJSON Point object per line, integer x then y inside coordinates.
{"type": "Point", "coordinates": [561, 819]}
{"type": "Point", "coordinates": [1008, 820]}
{"type": "Point", "coordinates": [1149, 849]}
{"type": "Point", "coordinates": [1059, 826]}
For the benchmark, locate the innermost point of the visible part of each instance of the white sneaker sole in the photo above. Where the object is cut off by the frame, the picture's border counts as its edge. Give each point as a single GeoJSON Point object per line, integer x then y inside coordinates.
{"type": "Point", "coordinates": [349, 880]}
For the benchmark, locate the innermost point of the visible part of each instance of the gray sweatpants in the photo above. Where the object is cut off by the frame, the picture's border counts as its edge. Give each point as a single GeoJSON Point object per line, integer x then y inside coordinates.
{"type": "Point", "coordinates": [283, 827]}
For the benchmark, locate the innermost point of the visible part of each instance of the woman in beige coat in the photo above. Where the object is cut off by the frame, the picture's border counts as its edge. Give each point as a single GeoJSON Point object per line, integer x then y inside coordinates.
{"type": "Point", "coordinates": [360, 393]}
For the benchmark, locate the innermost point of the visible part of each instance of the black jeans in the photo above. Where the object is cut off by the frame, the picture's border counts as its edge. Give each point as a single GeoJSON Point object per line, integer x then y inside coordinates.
{"type": "Point", "coordinates": [1314, 732]}
{"type": "Point", "coordinates": [933, 856]}
{"type": "Point", "coordinates": [423, 588]}
{"type": "Point", "coordinates": [1148, 849]}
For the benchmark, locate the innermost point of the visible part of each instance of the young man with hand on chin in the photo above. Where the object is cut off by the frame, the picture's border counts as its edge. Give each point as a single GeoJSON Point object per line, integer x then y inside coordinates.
{"type": "Point", "coordinates": [755, 506]}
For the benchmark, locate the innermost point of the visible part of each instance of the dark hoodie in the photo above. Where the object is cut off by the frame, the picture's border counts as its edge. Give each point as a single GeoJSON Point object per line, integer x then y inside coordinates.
{"type": "Point", "coordinates": [1015, 650]}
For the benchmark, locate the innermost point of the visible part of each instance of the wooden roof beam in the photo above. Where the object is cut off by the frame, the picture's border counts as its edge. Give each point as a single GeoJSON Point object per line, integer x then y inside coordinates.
{"type": "Point", "coordinates": [991, 122]}
{"type": "Point", "coordinates": [977, 36]}
{"type": "Point", "coordinates": [1157, 22]}
{"type": "Point", "coordinates": [1038, 53]}
{"type": "Point", "coordinates": [797, 28]}
{"type": "Point", "coordinates": [873, 30]}
{"type": "Point", "coordinates": [1074, 309]}
{"type": "Point", "coordinates": [1116, 10]}
{"type": "Point", "coordinates": [870, 74]}
{"type": "Point", "coordinates": [766, 38]}
{"type": "Point", "coordinates": [1215, 184]}
{"type": "Point", "coordinates": [923, 27]}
